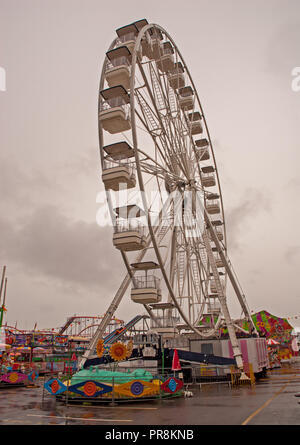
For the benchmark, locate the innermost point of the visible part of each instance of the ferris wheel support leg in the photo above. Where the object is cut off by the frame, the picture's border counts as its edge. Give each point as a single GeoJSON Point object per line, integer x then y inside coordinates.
{"type": "Point", "coordinates": [233, 281]}
{"type": "Point", "coordinates": [231, 331]}
{"type": "Point", "coordinates": [105, 321]}
{"type": "Point", "coordinates": [222, 298]}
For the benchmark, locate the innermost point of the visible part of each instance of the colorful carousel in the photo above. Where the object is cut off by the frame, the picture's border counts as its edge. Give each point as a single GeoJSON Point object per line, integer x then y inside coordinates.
{"type": "Point", "coordinates": [10, 378]}
{"type": "Point", "coordinates": [12, 375]}
{"type": "Point", "coordinates": [114, 384]}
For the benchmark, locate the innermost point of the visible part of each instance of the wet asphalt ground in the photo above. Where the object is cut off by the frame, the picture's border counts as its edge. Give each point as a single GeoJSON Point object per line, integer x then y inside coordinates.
{"type": "Point", "coordinates": [271, 401]}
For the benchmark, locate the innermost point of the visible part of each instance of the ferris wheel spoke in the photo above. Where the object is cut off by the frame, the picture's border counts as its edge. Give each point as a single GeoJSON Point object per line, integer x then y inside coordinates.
{"type": "Point", "coordinates": [155, 165]}
{"type": "Point", "coordinates": [167, 131]}
{"type": "Point", "coordinates": [157, 147]}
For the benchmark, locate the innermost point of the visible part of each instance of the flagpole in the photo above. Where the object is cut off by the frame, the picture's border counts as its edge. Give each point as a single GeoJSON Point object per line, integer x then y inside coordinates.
{"type": "Point", "coordinates": [2, 281]}
{"type": "Point", "coordinates": [162, 357]}
{"type": "Point", "coordinates": [2, 309]}
{"type": "Point", "coordinates": [1, 288]}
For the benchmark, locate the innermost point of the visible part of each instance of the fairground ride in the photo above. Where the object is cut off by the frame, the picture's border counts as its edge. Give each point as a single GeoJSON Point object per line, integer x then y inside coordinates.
{"type": "Point", "coordinates": [156, 150]}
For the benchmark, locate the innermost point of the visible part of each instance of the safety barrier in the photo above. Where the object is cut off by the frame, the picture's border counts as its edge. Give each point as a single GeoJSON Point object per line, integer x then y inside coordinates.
{"type": "Point", "coordinates": [238, 378]}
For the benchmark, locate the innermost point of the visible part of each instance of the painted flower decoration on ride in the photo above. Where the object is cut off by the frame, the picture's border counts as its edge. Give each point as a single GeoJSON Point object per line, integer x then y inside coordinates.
{"type": "Point", "coordinates": [118, 351]}
{"type": "Point", "coordinates": [100, 348]}
{"type": "Point", "coordinates": [260, 324]}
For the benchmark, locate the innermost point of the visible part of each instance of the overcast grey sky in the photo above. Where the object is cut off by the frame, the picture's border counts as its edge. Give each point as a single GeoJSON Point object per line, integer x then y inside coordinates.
{"type": "Point", "coordinates": [240, 54]}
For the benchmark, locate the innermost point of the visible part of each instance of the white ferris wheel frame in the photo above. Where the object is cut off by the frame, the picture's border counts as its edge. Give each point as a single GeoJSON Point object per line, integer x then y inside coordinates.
{"type": "Point", "coordinates": [153, 231]}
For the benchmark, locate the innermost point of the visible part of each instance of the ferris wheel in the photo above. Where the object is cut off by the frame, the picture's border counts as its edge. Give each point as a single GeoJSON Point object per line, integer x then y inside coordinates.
{"type": "Point", "coordinates": [162, 187]}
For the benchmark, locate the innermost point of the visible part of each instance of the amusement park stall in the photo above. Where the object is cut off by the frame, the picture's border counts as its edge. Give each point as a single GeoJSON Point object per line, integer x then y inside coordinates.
{"type": "Point", "coordinates": [277, 333]}
{"type": "Point", "coordinates": [254, 351]}
{"type": "Point", "coordinates": [43, 352]}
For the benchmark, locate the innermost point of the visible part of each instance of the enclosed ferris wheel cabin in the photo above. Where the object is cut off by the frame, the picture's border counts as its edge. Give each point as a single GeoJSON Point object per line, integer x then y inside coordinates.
{"type": "Point", "coordinates": [176, 76]}
{"type": "Point", "coordinates": [217, 223]}
{"type": "Point", "coordinates": [208, 176]}
{"type": "Point", "coordinates": [165, 320]}
{"type": "Point", "coordinates": [127, 36]}
{"type": "Point", "coordinates": [212, 203]}
{"type": "Point", "coordinates": [129, 232]}
{"type": "Point", "coordinates": [152, 43]}
{"type": "Point", "coordinates": [118, 176]}
{"type": "Point", "coordinates": [202, 150]}
{"type": "Point", "coordinates": [117, 172]}
{"type": "Point", "coordinates": [145, 286]}
{"type": "Point", "coordinates": [165, 60]}
{"type": "Point", "coordinates": [213, 287]}
{"type": "Point", "coordinates": [118, 67]}
{"type": "Point", "coordinates": [114, 110]}
{"type": "Point", "coordinates": [219, 234]}
{"type": "Point", "coordinates": [218, 260]}
{"type": "Point", "coordinates": [146, 41]}
{"type": "Point", "coordinates": [194, 121]}
{"type": "Point", "coordinates": [186, 98]}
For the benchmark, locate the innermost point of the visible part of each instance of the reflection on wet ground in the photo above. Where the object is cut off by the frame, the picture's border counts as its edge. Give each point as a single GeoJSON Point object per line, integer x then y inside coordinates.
{"type": "Point", "coordinates": [271, 401]}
